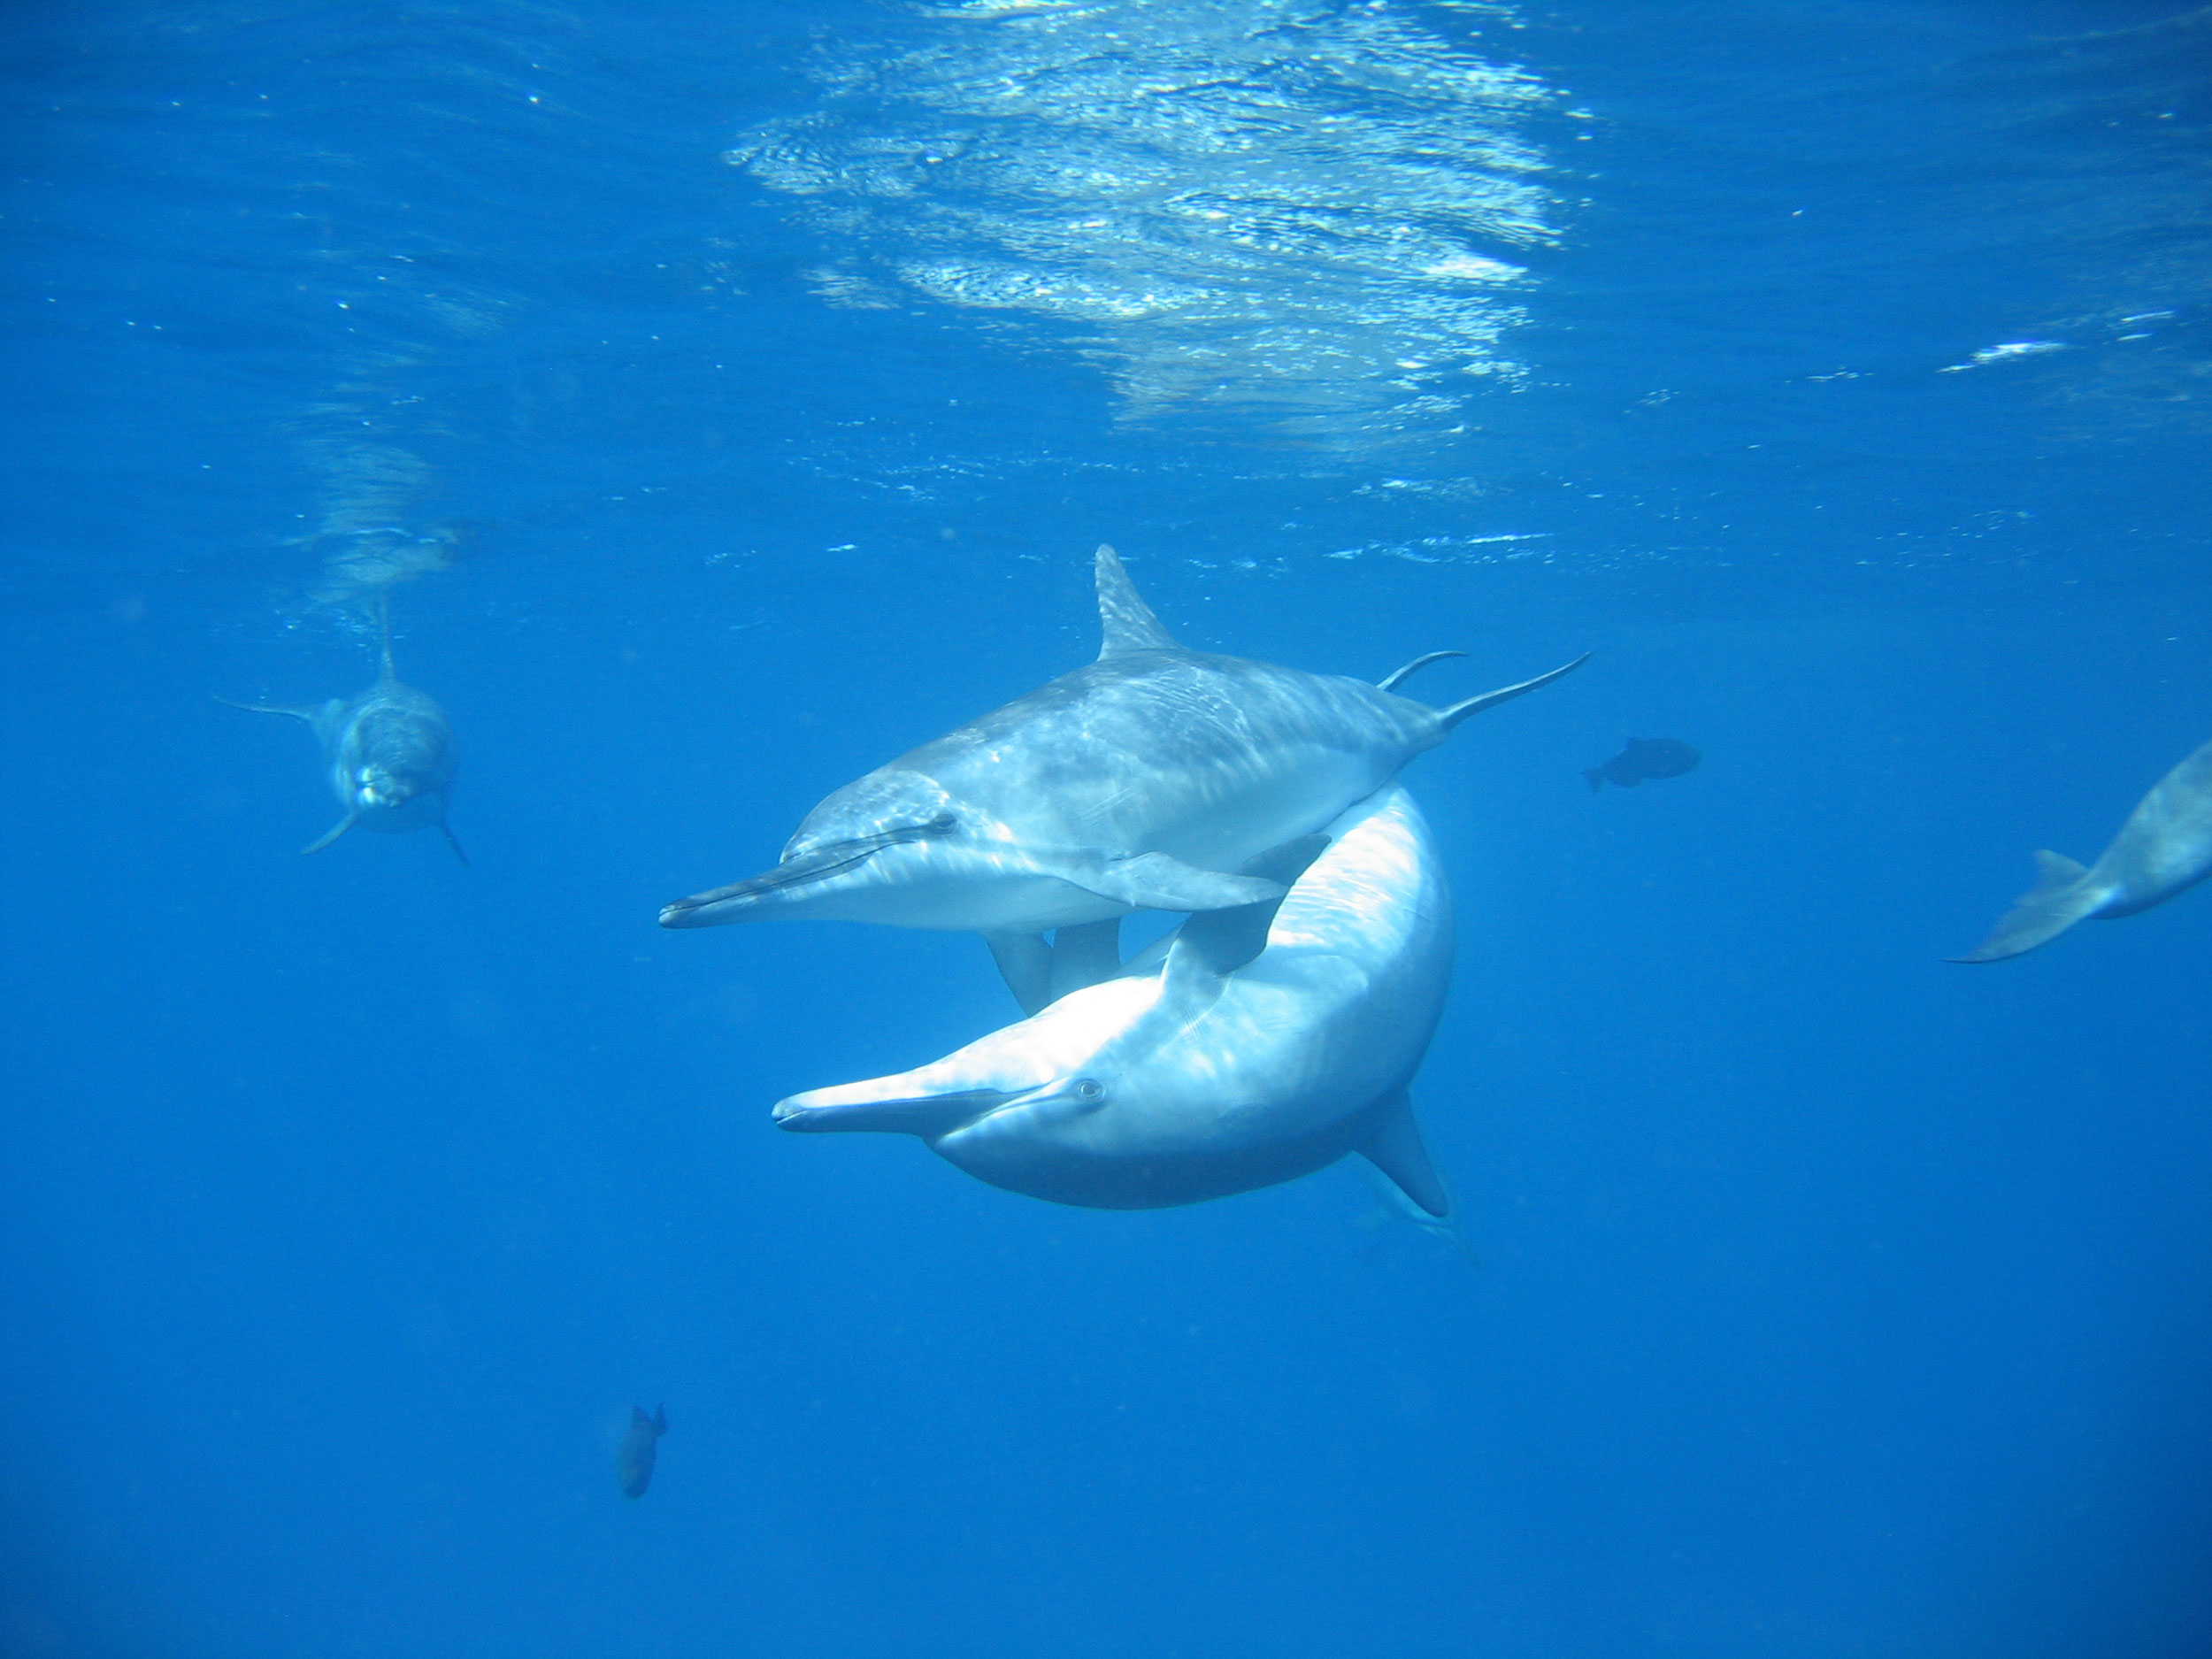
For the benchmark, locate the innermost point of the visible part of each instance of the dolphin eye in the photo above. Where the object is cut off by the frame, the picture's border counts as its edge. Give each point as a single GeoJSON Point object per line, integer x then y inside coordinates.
{"type": "Point", "coordinates": [1088, 1089]}
{"type": "Point", "coordinates": [943, 824]}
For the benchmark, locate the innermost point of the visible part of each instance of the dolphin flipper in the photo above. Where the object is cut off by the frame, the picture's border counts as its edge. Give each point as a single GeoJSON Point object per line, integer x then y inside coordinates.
{"type": "Point", "coordinates": [1025, 962]}
{"type": "Point", "coordinates": [1459, 711]}
{"type": "Point", "coordinates": [1395, 1147]}
{"type": "Point", "coordinates": [1085, 955]}
{"type": "Point", "coordinates": [308, 715]}
{"type": "Point", "coordinates": [340, 829]}
{"type": "Point", "coordinates": [2061, 897]}
{"type": "Point", "coordinates": [456, 845]}
{"type": "Point", "coordinates": [1154, 881]}
{"type": "Point", "coordinates": [1221, 941]}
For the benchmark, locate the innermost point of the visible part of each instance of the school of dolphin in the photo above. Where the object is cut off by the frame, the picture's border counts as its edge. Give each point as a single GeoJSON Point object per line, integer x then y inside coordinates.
{"type": "Point", "coordinates": [1275, 1030]}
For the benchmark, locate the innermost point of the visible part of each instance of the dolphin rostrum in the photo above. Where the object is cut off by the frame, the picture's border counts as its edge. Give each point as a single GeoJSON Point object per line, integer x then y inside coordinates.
{"type": "Point", "coordinates": [1143, 780]}
{"type": "Point", "coordinates": [1254, 1045]}
{"type": "Point", "coordinates": [2165, 846]}
{"type": "Point", "coordinates": [390, 757]}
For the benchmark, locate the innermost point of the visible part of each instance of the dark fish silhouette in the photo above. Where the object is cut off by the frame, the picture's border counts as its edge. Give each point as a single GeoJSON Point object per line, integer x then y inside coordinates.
{"type": "Point", "coordinates": [633, 1463]}
{"type": "Point", "coordinates": [1643, 757]}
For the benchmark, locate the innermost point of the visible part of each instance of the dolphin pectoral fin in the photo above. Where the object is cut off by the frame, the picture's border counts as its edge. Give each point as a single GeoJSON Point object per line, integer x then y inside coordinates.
{"type": "Point", "coordinates": [1221, 941]}
{"type": "Point", "coordinates": [1388, 681]}
{"type": "Point", "coordinates": [1084, 955]}
{"type": "Point", "coordinates": [929, 1117]}
{"type": "Point", "coordinates": [1394, 1147]}
{"type": "Point", "coordinates": [340, 829]}
{"type": "Point", "coordinates": [308, 715]}
{"type": "Point", "coordinates": [2062, 896]}
{"type": "Point", "coordinates": [456, 845]}
{"type": "Point", "coordinates": [1125, 623]}
{"type": "Point", "coordinates": [1025, 962]}
{"type": "Point", "coordinates": [1459, 711]}
{"type": "Point", "coordinates": [1154, 881]}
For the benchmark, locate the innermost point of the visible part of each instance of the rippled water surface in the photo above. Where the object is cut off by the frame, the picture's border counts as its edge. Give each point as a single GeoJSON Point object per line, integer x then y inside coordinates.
{"type": "Point", "coordinates": [723, 399]}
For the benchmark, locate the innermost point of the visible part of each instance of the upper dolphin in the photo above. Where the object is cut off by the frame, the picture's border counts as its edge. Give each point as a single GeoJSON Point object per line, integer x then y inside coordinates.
{"type": "Point", "coordinates": [1250, 1047]}
{"type": "Point", "coordinates": [389, 755]}
{"type": "Point", "coordinates": [1143, 780]}
{"type": "Point", "coordinates": [2165, 847]}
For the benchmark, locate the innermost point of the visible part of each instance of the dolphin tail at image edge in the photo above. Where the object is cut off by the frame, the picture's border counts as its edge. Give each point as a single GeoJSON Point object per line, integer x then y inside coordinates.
{"type": "Point", "coordinates": [2061, 897]}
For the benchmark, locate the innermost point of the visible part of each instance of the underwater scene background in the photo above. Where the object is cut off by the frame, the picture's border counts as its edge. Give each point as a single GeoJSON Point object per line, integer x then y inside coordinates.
{"type": "Point", "coordinates": [725, 399]}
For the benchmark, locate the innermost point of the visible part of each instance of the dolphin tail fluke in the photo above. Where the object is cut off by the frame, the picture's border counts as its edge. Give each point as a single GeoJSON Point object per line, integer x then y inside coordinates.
{"type": "Point", "coordinates": [2062, 896]}
{"type": "Point", "coordinates": [335, 831]}
{"type": "Point", "coordinates": [1394, 1147]}
{"type": "Point", "coordinates": [1451, 717]}
{"type": "Point", "coordinates": [455, 844]}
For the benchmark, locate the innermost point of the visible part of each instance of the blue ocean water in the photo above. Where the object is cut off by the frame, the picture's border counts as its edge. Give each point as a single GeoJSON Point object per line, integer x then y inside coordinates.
{"type": "Point", "coordinates": [726, 398]}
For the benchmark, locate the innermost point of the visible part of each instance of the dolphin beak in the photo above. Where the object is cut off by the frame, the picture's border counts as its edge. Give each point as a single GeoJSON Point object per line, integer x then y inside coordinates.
{"type": "Point", "coordinates": [840, 1112]}
{"type": "Point", "coordinates": [737, 901]}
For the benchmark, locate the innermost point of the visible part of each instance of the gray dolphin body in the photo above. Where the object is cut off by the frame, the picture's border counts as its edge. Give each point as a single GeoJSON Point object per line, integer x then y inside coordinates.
{"type": "Point", "coordinates": [1250, 1047]}
{"type": "Point", "coordinates": [1144, 780]}
{"type": "Point", "coordinates": [2165, 847]}
{"type": "Point", "coordinates": [390, 757]}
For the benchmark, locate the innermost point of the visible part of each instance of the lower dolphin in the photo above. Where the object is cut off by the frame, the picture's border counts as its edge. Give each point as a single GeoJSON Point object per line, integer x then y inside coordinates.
{"type": "Point", "coordinates": [2165, 848]}
{"type": "Point", "coordinates": [1252, 1046]}
{"type": "Point", "coordinates": [389, 754]}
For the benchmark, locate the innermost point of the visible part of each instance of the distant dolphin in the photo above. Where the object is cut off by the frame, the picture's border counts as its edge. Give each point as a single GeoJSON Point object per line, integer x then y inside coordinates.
{"type": "Point", "coordinates": [1252, 1046]}
{"type": "Point", "coordinates": [633, 1459]}
{"type": "Point", "coordinates": [390, 753]}
{"type": "Point", "coordinates": [1144, 780]}
{"type": "Point", "coordinates": [2165, 846]}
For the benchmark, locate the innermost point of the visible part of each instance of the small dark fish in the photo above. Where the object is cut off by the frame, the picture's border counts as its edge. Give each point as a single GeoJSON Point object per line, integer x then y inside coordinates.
{"type": "Point", "coordinates": [1643, 757]}
{"type": "Point", "coordinates": [633, 1463]}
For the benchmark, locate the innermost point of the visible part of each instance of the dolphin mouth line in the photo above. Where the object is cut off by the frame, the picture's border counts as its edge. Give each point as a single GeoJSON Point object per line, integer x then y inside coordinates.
{"type": "Point", "coordinates": [934, 1116]}
{"type": "Point", "coordinates": [806, 868]}
{"type": "Point", "coordinates": [927, 1116]}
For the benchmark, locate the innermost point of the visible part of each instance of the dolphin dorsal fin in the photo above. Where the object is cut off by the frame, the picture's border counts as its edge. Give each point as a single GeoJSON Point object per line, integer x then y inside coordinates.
{"type": "Point", "coordinates": [1126, 622]}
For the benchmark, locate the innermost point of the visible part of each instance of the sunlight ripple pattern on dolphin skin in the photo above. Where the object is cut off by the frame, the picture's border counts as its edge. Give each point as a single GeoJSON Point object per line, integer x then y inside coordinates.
{"type": "Point", "coordinates": [1304, 210]}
